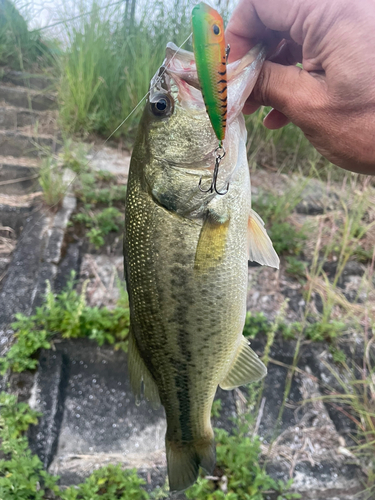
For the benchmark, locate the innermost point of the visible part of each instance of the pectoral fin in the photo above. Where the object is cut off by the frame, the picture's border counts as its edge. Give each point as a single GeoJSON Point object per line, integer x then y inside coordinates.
{"type": "Point", "coordinates": [211, 243]}
{"type": "Point", "coordinates": [246, 368]}
{"type": "Point", "coordinates": [260, 246]}
{"type": "Point", "coordinates": [141, 380]}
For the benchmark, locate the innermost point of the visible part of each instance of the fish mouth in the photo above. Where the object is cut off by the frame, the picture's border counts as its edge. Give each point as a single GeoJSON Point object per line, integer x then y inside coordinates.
{"type": "Point", "coordinates": [178, 76]}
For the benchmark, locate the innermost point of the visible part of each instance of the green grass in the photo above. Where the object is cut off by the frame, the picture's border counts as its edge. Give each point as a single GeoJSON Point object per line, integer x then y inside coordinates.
{"type": "Point", "coordinates": [20, 48]}
{"type": "Point", "coordinates": [275, 210]}
{"type": "Point", "coordinates": [242, 476]}
{"type": "Point", "coordinates": [66, 315]}
{"type": "Point", "coordinates": [110, 62]}
{"type": "Point", "coordinates": [98, 192]}
{"type": "Point", "coordinates": [100, 224]}
{"type": "Point", "coordinates": [51, 182]}
{"type": "Point", "coordinates": [22, 476]}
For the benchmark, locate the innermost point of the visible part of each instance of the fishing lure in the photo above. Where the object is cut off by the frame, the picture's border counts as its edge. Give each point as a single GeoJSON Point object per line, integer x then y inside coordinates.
{"type": "Point", "coordinates": [211, 56]}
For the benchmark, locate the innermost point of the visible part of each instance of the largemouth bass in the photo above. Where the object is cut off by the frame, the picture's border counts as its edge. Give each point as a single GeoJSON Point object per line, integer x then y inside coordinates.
{"type": "Point", "coordinates": [186, 258]}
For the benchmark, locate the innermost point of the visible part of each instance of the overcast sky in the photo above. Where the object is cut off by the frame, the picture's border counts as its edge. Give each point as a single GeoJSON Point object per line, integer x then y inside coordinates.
{"type": "Point", "coordinates": [41, 13]}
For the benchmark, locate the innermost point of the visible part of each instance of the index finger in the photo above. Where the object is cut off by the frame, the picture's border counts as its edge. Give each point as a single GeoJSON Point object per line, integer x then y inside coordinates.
{"type": "Point", "coordinates": [251, 18]}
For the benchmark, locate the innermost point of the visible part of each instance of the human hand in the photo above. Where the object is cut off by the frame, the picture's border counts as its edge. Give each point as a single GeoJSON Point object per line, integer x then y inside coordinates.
{"type": "Point", "coordinates": [332, 99]}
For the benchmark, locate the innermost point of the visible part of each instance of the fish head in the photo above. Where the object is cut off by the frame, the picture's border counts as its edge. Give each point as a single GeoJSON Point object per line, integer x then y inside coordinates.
{"type": "Point", "coordinates": [176, 139]}
{"type": "Point", "coordinates": [178, 126]}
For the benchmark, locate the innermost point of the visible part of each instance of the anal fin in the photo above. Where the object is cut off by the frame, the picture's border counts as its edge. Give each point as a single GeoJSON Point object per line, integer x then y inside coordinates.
{"type": "Point", "coordinates": [246, 368]}
{"type": "Point", "coordinates": [260, 246]}
{"type": "Point", "coordinates": [141, 380]}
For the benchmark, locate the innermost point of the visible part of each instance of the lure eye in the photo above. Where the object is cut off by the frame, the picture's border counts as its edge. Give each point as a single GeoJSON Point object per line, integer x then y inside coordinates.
{"type": "Point", "coordinates": [216, 29]}
{"type": "Point", "coordinates": [161, 106]}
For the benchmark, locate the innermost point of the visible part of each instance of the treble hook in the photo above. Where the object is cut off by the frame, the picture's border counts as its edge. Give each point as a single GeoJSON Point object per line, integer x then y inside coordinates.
{"type": "Point", "coordinates": [213, 186]}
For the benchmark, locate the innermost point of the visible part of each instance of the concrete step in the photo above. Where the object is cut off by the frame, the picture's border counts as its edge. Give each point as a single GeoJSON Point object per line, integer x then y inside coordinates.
{"type": "Point", "coordinates": [40, 235]}
{"type": "Point", "coordinates": [18, 175]}
{"type": "Point", "coordinates": [90, 416]}
{"type": "Point", "coordinates": [28, 80]}
{"type": "Point", "coordinates": [26, 98]}
{"type": "Point", "coordinates": [21, 143]}
{"type": "Point", "coordinates": [12, 117]}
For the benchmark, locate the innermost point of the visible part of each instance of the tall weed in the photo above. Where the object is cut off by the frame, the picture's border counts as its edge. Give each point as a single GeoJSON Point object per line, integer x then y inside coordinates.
{"type": "Point", "coordinates": [20, 48]}
{"type": "Point", "coordinates": [111, 59]}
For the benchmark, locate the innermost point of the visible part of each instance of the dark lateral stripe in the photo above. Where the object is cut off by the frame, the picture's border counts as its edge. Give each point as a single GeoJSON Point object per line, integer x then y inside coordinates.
{"type": "Point", "coordinates": [182, 383]}
{"type": "Point", "coordinates": [223, 73]}
{"type": "Point", "coordinates": [225, 112]}
{"type": "Point", "coordinates": [224, 63]}
{"type": "Point", "coordinates": [222, 81]}
{"type": "Point", "coordinates": [224, 106]}
{"type": "Point", "coordinates": [222, 91]}
{"type": "Point", "coordinates": [224, 99]}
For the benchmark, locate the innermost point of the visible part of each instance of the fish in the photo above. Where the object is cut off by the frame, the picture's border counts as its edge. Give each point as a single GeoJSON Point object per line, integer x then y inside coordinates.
{"type": "Point", "coordinates": [210, 53]}
{"type": "Point", "coordinates": [186, 258]}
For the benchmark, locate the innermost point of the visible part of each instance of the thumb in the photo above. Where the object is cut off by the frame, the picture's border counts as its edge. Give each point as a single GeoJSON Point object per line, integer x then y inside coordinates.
{"type": "Point", "coordinates": [295, 95]}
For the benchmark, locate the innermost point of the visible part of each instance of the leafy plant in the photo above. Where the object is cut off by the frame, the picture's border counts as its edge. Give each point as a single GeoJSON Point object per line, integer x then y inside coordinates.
{"type": "Point", "coordinates": [295, 267]}
{"type": "Point", "coordinates": [240, 475]}
{"type": "Point", "coordinates": [286, 238]}
{"type": "Point", "coordinates": [255, 323]}
{"type": "Point", "coordinates": [74, 156]}
{"type": "Point", "coordinates": [108, 483]}
{"type": "Point", "coordinates": [323, 330]}
{"type": "Point", "coordinates": [105, 195]}
{"type": "Point", "coordinates": [65, 314]}
{"type": "Point", "coordinates": [100, 224]}
{"type": "Point", "coordinates": [21, 474]}
{"type": "Point", "coordinates": [275, 210]}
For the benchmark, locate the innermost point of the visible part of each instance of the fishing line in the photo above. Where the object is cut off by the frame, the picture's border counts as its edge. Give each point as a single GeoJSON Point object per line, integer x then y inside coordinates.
{"type": "Point", "coordinates": [69, 184]}
{"type": "Point", "coordinates": [65, 21]}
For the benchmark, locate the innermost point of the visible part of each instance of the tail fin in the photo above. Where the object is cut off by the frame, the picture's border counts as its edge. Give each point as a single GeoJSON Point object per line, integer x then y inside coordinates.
{"type": "Point", "coordinates": [184, 460]}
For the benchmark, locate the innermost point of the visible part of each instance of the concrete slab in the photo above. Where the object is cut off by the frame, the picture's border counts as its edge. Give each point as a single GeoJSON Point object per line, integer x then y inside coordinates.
{"type": "Point", "coordinates": [28, 80]}
{"type": "Point", "coordinates": [14, 143]}
{"type": "Point", "coordinates": [106, 275]}
{"type": "Point", "coordinates": [101, 422]}
{"type": "Point", "coordinates": [27, 98]}
{"type": "Point", "coordinates": [113, 160]}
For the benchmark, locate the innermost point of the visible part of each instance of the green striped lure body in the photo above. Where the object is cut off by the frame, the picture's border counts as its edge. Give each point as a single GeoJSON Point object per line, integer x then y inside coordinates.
{"type": "Point", "coordinates": [211, 61]}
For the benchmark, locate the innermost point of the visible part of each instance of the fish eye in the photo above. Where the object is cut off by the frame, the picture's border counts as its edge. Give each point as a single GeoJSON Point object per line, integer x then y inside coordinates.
{"type": "Point", "coordinates": [216, 29]}
{"type": "Point", "coordinates": [161, 106]}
